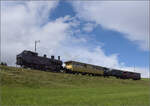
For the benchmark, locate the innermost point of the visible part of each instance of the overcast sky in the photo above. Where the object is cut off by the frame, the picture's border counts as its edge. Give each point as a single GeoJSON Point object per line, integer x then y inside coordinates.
{"type": "Point", "coordinates": [114, 34]}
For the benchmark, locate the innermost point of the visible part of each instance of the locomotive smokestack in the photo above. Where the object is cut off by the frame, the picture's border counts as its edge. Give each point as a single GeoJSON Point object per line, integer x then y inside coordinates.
{"type": "Point", "coordinates": [52, 57]}
{"type": "Point", "coordinates": [58, 57]}
{"type": "Point", "coordinates": [45, 55]}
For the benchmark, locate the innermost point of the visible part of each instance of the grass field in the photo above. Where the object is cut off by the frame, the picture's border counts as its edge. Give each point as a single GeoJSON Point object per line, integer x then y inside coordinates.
{"type": "Point", "coordinates": [23, 87]}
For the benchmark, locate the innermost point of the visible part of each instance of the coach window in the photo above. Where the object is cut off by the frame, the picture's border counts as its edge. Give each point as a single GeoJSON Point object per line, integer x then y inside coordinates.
{"type": "Point", "coordinates": [67, 64]}
{"type": "Point", "coordinates": [81, 65]}
{"type": "Point", "coordinates": [74, 65]}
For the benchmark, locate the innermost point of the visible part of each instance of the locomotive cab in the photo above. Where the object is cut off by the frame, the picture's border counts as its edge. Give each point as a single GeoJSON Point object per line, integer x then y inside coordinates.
{"type": "Point", "coordinates": [20, 57]}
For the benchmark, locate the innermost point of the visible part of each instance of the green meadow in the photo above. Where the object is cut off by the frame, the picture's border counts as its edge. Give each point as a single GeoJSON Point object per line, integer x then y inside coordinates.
{"type": "Point", "coordinates": [25, 87]}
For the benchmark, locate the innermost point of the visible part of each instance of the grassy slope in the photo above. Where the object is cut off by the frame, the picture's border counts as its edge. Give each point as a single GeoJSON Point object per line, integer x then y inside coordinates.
{"type": "Point", "coordinates": [32, 87]}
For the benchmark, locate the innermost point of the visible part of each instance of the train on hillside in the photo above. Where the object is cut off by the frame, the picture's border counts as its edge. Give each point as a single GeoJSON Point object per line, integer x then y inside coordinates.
{"type": "Point", "coordinates": [29, 59]}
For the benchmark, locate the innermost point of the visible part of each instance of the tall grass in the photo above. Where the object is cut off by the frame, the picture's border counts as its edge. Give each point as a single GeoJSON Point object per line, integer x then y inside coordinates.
{"type": "Point", "coordinates": [38, 88]}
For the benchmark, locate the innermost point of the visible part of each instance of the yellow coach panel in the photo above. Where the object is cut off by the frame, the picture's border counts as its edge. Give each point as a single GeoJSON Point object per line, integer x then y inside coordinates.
{"type": "Point", "coordinates": [100, 72]}
{"type": "Point", "coordinates": [95, 71]}
{"type": "Point", "coordinates": [87, 69]}
{"type": "Point", "coordinates": [78, 68]}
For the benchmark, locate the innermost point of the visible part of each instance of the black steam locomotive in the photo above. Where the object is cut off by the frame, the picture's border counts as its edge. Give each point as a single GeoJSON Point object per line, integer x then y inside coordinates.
{"type": "Point", "coordinates": [29, 59]}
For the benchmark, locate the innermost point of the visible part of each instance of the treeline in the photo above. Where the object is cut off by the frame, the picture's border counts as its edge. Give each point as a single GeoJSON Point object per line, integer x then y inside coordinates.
{"type": "Point", "coordinates": [3, 63]}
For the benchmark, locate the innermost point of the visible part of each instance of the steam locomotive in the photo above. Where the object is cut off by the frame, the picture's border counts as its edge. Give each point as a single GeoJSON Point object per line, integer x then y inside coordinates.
{"type": "Point", "coordinates": [29, 59]}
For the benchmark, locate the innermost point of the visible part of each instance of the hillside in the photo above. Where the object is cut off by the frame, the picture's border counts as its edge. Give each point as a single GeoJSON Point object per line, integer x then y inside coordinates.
{"type": "Point", "coordinates": [34, 87]}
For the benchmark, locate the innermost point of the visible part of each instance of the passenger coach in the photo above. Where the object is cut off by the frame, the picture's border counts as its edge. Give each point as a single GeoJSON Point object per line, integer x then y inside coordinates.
{"type": "Point", "coordinates": [82, 68]}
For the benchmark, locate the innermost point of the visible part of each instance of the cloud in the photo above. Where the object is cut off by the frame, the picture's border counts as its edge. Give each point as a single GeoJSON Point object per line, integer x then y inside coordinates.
{"type": "Point", "coordinates": [21, 26]}
{"type": "Point", "coordinates": [88, 27]}
{"type": "Point", "coordinates": [24, 22]}
{"type": "Point", "coordinates": [131, 18]}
